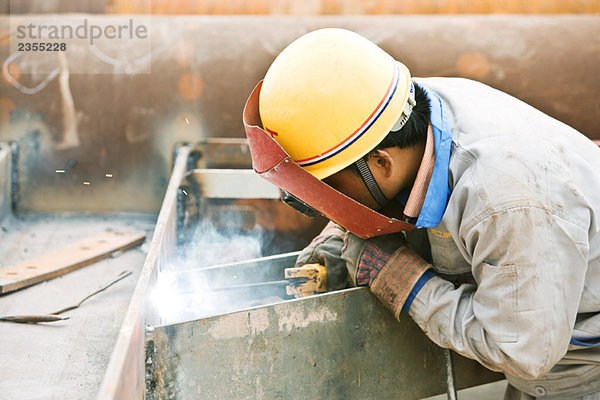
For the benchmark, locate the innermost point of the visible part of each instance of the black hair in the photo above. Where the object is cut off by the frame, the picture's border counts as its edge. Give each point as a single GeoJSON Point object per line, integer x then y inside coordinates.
{"type": "Point", "coordinates": [413, 132]}
{"type": "Point", "coordinates": [415, 129]}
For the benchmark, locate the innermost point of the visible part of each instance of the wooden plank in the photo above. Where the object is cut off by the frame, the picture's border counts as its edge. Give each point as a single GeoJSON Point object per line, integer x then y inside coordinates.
{"type": "Point", "coordinates": [67, 259]}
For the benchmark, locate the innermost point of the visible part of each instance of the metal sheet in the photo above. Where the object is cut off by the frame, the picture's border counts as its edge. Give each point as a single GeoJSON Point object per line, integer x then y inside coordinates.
{"type": "Point", "coordinates": [204, 67]}
{"type": "Point", "coordinates": [233, 184]}
{"type": "Point", "coordinates": [341, 345]}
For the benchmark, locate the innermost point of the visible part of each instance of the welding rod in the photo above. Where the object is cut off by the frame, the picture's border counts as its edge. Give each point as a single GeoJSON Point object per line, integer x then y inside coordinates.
{"type": "Point", "coordinates": [257, 285]}
{"type": "Point", "coordinates": [244, 286]}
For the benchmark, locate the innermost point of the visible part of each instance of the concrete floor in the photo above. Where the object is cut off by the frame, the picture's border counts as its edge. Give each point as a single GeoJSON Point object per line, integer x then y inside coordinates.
{"type": "Point", "coordinates": [65, 359]}
{"type": "Point", "coordinates": [490, 391]}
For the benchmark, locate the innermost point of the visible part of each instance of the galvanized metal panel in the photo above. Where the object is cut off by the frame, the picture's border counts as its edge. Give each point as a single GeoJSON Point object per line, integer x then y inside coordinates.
{"type": "Point", "coordinates": [340, 345]}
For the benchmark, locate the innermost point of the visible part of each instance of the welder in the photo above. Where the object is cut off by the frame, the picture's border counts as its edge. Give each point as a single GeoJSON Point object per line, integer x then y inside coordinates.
{"type": "Point", "coordinates": [456, 203]}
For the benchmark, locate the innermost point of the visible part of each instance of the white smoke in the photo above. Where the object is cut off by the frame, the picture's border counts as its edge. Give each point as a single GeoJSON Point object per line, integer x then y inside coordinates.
{"type": "Point", "coordinates": [187, 289]}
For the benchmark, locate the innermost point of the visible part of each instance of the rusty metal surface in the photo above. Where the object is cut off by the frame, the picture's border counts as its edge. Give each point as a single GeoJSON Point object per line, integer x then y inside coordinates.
{"type": "Point", "coordinates": [242, 196]}
{"type": "Point", "coordinates": [341, 345]}
{"type": "Point", "coordinates": [223, 153]}
{"type": "Point", "coordinates": [124, 377]}
{"type": "Point", "coordinates": [204, 67]}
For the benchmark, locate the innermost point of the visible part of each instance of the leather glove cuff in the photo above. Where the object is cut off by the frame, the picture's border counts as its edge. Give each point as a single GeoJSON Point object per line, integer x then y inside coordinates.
{"type": "Point", "coordinates": [371, 261]}
{"type": "Point", "coordinates": [394, 283]}
{"type": "Point", "coordinates": [365, 258]}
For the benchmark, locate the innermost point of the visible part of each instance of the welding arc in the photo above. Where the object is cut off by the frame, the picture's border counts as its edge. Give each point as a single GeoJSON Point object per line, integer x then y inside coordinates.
{"type": "Point", "coordinates": [52, 317]}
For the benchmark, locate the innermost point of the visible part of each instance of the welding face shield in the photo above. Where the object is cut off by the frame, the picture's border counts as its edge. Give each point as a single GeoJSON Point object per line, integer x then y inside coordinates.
{"type": "Point", "coordinates": [308, 193]}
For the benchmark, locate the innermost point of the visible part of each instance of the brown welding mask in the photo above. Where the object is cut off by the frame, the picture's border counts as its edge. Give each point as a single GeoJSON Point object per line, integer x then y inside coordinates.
{"type": "Point", "coordinates": [305, 192]}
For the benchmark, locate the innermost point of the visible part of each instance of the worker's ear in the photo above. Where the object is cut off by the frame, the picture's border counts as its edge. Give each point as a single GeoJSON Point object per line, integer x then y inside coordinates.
{"type": "Point", "coordinates": [381, 163]}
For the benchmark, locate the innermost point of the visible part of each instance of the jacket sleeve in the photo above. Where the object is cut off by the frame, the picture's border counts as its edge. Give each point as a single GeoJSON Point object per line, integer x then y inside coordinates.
{"type": "Point", "coordinates": [529, 266]}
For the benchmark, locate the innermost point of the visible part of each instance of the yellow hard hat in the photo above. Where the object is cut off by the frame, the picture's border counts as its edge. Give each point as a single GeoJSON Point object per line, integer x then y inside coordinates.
{"type": "Point", "coordinates": [331, 96]}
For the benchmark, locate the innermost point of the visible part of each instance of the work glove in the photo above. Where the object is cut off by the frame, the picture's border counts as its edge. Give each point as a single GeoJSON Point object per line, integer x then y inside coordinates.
{"type": "Point", "coordinates": [326, 249]}
{"type": "Point", "coordinates": [387, 265]}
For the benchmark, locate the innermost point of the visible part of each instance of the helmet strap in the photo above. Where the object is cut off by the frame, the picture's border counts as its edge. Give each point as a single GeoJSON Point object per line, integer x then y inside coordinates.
{"type": "Point", "coordinates": [371, 183]}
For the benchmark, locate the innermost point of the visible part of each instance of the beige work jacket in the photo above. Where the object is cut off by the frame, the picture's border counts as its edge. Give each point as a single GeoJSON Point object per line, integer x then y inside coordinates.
{"type": "Point", "coordinates": [522, 229]}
